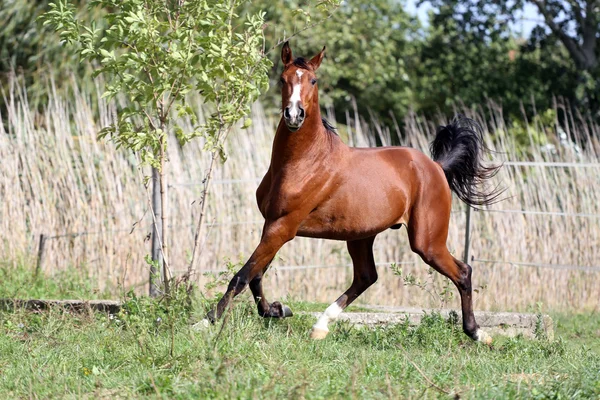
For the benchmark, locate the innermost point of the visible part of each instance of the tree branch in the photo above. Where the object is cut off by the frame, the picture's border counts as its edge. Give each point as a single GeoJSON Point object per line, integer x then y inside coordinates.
{"type": "Point", "coordinates": [570, 43]}
{"type": "Point", "coordinates": [576, 11]}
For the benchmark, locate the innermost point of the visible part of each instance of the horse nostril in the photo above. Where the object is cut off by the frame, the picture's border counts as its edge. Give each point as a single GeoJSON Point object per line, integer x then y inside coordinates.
{"type": "Point", "coordinates": [286, 113]}
{"type": "Point", "coordinates": [301, 113]}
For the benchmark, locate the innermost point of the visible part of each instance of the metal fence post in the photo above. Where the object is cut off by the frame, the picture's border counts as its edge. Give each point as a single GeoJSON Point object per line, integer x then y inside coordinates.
{"type": "Point", "coordinates": [467, 235]}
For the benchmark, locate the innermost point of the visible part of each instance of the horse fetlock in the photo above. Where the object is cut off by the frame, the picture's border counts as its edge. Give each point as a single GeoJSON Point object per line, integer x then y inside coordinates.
{"type": "Point", "coordinates": [470, 328]}
{"type": "Point", "coordinates": [210, 317]}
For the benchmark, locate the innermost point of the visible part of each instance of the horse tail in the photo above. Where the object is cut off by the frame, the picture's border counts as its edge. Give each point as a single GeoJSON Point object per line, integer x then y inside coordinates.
{"type": "Point", "coordinates": [459, 149]}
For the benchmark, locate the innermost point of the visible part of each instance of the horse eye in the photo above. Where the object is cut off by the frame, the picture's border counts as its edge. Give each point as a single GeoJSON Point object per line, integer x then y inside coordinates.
{"type": "Point", "coordinates": [313, 81]}
{"type": "Point", "coordinates": [281, 80]}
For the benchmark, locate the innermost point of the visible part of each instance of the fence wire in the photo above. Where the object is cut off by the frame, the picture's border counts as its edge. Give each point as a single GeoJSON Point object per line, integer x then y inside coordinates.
{"type": "Point", "coordinates": [43, 237]}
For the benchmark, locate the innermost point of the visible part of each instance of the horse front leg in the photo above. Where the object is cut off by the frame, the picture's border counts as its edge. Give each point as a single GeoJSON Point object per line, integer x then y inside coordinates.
{"type": "Point", "coordinates": [275, 235]}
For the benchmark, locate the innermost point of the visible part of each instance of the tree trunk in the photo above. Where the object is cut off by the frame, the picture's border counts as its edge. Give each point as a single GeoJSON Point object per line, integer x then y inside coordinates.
{"type": "Point", "coordinates": [156, 232]}
{"type": "Point", "coordinates": [163, 215]}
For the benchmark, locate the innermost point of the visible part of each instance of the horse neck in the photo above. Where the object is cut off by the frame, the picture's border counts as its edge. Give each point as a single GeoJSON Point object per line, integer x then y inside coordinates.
{"type": "Point", "coordinates": [310, 142]}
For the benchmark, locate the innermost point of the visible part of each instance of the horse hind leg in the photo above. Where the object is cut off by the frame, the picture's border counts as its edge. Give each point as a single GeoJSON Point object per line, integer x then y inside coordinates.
{"type": "Point", "coordinates": [427, 235]}
{"type": "Point", "coordinates": [365, 274]}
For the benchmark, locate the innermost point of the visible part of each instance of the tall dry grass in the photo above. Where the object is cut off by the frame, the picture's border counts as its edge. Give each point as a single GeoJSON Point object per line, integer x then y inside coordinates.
{"type": "Point", "coordinates": [57, 179]}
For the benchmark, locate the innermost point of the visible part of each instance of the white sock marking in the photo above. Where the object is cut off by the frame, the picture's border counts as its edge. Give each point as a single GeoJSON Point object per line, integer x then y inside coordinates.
{"type": "Point", "coordinates": [330, 314]}
{"type": "Point", "coordinates": [483, 337]}
{"type": "Point", "coordinates": [201, 325]}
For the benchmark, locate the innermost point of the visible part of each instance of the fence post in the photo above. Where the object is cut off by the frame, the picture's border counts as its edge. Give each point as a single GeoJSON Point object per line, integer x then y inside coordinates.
{"type": "Point", "coordinates": [40, 258]}
{"type": "Point", "coordinates": [467, 235]}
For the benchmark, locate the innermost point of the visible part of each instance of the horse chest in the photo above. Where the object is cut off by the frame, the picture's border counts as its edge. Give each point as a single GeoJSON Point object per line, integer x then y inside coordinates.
{"type": "Point", "coordinates": [278, 201]}
{"type": "Point", "coordinates": [282, 196]}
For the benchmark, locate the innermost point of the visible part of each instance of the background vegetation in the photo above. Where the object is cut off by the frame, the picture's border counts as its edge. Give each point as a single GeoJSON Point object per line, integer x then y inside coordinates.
{"type": "Point", "coordinates": [387, 60]}
{"type": "Point", "coordinates": [87, 197]}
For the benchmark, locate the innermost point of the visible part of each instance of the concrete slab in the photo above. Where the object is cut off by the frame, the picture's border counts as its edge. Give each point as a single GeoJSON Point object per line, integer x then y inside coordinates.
{"type": "Point", "coordinates": [110, 306]}
{"type": "Point", "coordinates": [494, 323]}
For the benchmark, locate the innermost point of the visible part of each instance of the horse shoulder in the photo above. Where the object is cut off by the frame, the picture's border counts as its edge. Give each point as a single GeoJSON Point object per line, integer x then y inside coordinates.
{"type": "Point", "coordinates": [290, 192]}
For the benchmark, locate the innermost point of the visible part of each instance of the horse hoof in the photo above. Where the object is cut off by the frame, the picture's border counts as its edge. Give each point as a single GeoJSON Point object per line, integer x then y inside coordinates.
{"type": "Point", "coordinates": [278, 310]}
{"type": "Point", "coordinates": [287, 312]}
{"type": "Point", "coordinates": [483, 337]}
{"type": "Point", "coordinates": [318, 334]}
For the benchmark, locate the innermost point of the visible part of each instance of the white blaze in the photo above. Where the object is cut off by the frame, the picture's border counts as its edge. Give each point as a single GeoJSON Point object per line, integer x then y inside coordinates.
{"type": "Point", "coordinates": [330, 314]}
{"type": "Point", "coordinates": [295, 98]}
{"type": "Point", "coordinates": [294, 102]}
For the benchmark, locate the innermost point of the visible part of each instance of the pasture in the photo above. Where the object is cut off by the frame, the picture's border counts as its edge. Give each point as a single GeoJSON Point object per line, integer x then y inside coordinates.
{"type": "Point", "coordinates": [149, 173]}
{"type": "Point", "coordinates": [53, 354]}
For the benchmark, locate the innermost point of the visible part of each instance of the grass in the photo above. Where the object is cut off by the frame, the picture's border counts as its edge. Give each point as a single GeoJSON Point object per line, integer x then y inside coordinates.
{"type": "Point", "coordinates": [150, 350]}
{"type": "Point", "coordinates": [54, 355]}
{"type": "Point", "coordinates": [20, 282]}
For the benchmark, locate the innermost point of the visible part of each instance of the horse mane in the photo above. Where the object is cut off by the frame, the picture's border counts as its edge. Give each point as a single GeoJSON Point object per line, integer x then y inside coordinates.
{"type": "Point", "coordinates": [328, 127]}
{"type": "Point", "coordinates": [301, 62]}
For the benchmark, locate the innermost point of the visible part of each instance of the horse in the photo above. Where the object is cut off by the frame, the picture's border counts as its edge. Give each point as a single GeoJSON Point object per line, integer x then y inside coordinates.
{"type": "Point", "coordinates": [319, 187]}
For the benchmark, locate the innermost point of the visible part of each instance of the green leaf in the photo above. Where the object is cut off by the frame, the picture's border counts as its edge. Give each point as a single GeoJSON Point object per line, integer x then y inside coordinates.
{"type": "Point", "coordinates": [247, 123]}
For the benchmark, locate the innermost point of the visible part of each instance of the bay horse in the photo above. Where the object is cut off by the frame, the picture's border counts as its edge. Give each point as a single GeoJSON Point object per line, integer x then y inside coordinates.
{"type": "Point", "coordinates": [317, 186]}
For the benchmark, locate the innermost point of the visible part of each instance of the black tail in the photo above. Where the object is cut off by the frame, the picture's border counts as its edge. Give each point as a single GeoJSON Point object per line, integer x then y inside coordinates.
{"type": "Point", "coordinates": [459, 149]}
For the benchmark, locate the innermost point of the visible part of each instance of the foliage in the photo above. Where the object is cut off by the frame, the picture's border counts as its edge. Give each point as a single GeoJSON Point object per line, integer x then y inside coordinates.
{"type": "Point", "coordinates": [368, 43]}
{"type": "Point", "coordinates": [32, 51]}
{"type": "Point", "coordinates": [17, 281]}
{"type": "Point", "coordinates": [383, 58]}
{"type": "Point", "coordinates": [559, 58]}
{"type": "Point", "coordinates": [156, 52]}
{"type": "Point", "coordinates": [442, 295]}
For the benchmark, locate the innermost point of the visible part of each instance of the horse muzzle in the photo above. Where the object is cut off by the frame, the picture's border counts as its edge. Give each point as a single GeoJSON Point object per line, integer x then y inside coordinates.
{"type": "Point", "coordinates": [294, 117]}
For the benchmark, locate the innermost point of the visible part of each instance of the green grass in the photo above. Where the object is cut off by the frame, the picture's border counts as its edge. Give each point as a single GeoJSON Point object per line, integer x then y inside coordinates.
{"type": "Point", "coordinates": [21, 282]}
{"type": "Point", "coordinates": [151, 350]}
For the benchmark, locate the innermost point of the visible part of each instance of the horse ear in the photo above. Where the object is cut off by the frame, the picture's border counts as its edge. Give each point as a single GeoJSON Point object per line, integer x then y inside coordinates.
{"type": "Point", "coordinates": [286, 53]}
{"type": "Point", "coordinates": [316, 60]}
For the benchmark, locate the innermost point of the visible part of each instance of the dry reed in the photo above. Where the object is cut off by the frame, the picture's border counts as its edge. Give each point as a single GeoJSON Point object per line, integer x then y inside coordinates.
{"type": "Point", "coordinates": [87, 197]}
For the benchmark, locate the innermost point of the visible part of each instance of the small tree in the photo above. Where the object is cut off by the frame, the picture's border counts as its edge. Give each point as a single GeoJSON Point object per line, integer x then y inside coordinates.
{"type": "Point", "coordinates": [155, 52]}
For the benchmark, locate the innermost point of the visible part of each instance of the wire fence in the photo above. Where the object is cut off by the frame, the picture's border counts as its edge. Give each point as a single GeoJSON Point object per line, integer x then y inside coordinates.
{"type": "Point", "coordinates": [43, 238]}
